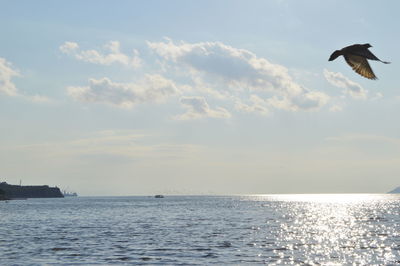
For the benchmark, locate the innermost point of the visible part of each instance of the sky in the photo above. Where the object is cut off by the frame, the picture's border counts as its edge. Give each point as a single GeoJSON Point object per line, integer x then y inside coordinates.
{"type": "Point", "coordinates": [198, 97]}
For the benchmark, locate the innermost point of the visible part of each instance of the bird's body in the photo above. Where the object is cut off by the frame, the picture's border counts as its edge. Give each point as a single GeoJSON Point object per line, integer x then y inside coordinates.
{"type": "Point", "coordinates": [357, 56]}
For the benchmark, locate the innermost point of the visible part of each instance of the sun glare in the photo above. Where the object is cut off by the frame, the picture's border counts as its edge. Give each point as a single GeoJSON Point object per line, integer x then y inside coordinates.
{"type": "Point", "coordinates": [337, 228]}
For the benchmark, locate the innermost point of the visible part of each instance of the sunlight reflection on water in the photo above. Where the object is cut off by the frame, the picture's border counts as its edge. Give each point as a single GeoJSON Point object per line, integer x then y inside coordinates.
{"type": "Point", "coordinates": [337, 228]}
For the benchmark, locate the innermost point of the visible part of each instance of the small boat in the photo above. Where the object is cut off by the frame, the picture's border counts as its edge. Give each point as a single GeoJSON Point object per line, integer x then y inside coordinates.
{"type": "Point", "coordinates": [159, 196]}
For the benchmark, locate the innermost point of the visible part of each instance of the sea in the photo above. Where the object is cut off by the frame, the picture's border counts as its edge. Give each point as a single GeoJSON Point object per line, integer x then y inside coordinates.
{"type": "Point", "coordinates": [315, 229]}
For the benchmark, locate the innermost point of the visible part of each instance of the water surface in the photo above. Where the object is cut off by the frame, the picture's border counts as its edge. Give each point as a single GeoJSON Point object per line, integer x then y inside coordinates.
{"type": "Point", "coordinates": [254, 229]}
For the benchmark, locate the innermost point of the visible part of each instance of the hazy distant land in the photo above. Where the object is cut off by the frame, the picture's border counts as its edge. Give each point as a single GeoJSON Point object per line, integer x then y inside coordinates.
{"type": "Point", "coordinates": [396, 190]}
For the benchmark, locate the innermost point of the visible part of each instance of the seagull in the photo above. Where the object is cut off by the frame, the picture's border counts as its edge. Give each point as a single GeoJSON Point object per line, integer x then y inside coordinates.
{"type": "Point", "coordinates": [356, 56]}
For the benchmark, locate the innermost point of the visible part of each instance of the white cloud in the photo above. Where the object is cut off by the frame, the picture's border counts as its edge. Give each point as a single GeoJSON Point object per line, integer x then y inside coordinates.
{"type": "Point", "coordinates": [258, 105]}
{"type": "Point", "coordinates": [111, 54]}
{"type": "Point", "coordinates": [152, 89]}
{"type": "Point", "coordinates": [351, 88]}
{"type": "Point", "coordinates": [69, 47]}
{"type": "Point", "coordinates": [7, 87]}
{"type": "Point", "coordinates": [239, 70]}
{"type": "Point", "coordinates": [197, 107]}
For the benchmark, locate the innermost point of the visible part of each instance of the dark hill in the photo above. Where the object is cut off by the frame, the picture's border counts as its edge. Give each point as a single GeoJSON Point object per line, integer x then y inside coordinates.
{"type": "Point", "coordinates": [15, 191]}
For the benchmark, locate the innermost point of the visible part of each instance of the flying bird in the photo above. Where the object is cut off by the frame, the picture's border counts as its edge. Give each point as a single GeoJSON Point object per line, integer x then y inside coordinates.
{"type": "Point", "coordinates": [356, 56]}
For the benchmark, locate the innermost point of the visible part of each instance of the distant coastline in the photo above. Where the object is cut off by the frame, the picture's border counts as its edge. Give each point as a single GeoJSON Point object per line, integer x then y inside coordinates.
{"type": "Point", "coordinates": [395, 191]}
{"type": "Point", "coordinates": [8, 191]}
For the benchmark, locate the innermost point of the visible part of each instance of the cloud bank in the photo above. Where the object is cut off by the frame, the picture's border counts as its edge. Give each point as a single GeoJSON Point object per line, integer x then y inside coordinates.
{"type": "Point", "coordinates": [202, 73]}
{"type": "Point", "coordinates": [238, 70]}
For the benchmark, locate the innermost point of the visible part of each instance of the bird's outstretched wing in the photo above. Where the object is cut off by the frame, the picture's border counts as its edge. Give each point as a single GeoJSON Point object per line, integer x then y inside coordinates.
{"type": "Point", "coordinates": [360, 65]}
{"type": "Point", "coordinates": [367, 54]}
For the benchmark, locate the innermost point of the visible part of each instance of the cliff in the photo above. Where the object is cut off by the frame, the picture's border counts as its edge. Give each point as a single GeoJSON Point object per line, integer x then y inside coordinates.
{"type": "Point", "coordinates": [15, 191]}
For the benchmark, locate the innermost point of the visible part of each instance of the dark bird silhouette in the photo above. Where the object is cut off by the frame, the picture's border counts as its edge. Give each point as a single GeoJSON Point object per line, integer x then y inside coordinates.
{"type": "Point", "coordinates": [356, 56]}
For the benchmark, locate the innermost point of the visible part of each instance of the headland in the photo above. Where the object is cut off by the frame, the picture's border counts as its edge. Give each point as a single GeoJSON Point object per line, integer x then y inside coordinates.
{"type": "Point", "coordinates": [8, 191]}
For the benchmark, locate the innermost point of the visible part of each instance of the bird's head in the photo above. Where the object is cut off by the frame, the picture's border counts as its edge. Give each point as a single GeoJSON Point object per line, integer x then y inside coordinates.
{"type": "Point", "coordinates": [334, 55]}
{"type": "Point", "coordinates": [367, 45]}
